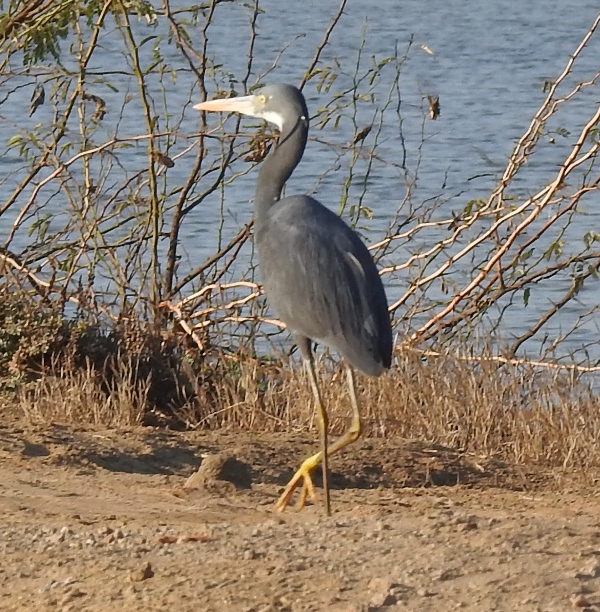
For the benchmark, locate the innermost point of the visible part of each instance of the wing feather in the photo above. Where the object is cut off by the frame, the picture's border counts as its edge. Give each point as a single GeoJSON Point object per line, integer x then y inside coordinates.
{"type": "Point", "coordinates": [322, 282]}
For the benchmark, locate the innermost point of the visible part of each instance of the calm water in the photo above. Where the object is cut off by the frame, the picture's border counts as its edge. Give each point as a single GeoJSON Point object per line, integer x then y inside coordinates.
{"type": "Point", "coordinates": [488, 65]}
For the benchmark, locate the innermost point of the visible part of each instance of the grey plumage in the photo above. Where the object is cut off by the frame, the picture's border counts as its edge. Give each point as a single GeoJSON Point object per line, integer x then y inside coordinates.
{"type": "Point", "coordinates": [321, 281]}
{"type": "Point", "coordinates": [318, 275]}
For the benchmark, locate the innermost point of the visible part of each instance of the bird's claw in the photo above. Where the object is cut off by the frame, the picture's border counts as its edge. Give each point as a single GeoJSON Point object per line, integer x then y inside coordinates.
{"type": "Point", "coordinates": [308, 489]}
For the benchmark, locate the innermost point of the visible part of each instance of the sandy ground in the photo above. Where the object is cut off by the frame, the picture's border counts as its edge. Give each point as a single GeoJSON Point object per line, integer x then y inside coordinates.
{"type": "Point", "coordinates": [100, 520]}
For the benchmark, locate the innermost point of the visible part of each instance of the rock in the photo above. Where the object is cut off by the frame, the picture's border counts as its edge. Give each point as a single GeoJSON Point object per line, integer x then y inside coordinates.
{"type": "Point", "coordinates": [580, 601]}
{"type": "Point", "coordinates": [71, 595]}
{"type": "Point", "coordinates": [250, 554]}
{"type": "Point", "coordinates": [402, 592]}
{"type": "Point", "coordinates": [353, 607]}
{"type": "Point", "coordinates": [466, 523]}
{"type": "Point", "coordinates": [381, 526]}
{"type": "Point", "coordinates": [589, 571]}
{"type": "Point", "coordinates": [448, 574]}
{"type": "Point", "coordinates": [57, 538]}
{"type": "Point", "coordinates": [143, 573]}
{"type": "Point", "coordinates": [469, 526]}
{"type": "Point", "coordinates": [381, 589]}
{"type": "Point", "coordinates": [104, 531]}
{"type": "Point", "coordinates": [381, 600]}
{"type": "Point", "coordinates": [380, 585]}
{"type": "Point", "coordinates": [218, 468]}
{"type": "Point", "coordinates": [129, 591]}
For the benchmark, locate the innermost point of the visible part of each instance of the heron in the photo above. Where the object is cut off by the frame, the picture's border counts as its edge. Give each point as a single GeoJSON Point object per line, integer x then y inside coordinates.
{"type": "Point", "coordinates": [318, 275]}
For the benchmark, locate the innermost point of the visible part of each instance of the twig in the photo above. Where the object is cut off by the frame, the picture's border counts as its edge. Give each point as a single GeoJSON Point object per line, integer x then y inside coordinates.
{"type": "Point", "coordinates": [323, 43]}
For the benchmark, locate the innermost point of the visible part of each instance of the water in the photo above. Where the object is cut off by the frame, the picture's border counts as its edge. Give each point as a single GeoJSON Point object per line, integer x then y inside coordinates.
{"type": "Point", "coordinates": [487, 62]}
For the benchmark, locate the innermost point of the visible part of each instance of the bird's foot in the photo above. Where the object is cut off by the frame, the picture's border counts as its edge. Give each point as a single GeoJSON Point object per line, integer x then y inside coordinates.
{"type": "Point", "coordinates": [308, 489]}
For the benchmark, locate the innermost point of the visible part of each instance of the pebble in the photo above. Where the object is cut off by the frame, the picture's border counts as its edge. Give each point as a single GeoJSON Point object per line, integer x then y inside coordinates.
{"type": "Point", "coordinates": [381, 526]}
{"type": "Point", "coordinates": [465, 522]}
{"type": "Point", "coordinates": [380, 600]}
{"type": "Point", "coordinates": [104, 531]}
{"type": "Point", "coordinates": [353, 607]}
{"type": "Point", "coordinates": [381, 585]}
{"type": "Point", "coordinates": [381, 589]}
{"type": "Point", "coordinates": [448, 574]}
{"type": "Point", "coordinates": [580, 601]}
{"type": "Point", "coordinates": [589, 571]}
{"type": "Point", "coordinates": [308, 563]}
{"type": "Point", "coordinates": [71, 595]}
{"type": "Point", "coordinates": [143, 573]}
{"type": "Point", "coordinates": [129, 591]}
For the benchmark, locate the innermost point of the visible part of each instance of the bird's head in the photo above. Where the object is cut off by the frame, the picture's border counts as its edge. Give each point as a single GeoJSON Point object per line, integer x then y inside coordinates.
{"type": "Point", "coordinates": [279, 104]}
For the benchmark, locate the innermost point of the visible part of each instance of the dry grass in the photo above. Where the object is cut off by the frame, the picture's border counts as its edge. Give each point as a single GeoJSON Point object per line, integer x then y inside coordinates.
{"type": "Point", "coordinates": [518, 413]}
{"type": "Point", "coordinates": [86, 396]}
{"type": "Point", "coordinates": [53, 370]}
{"type": "Point", "coordinates": [514, 413]}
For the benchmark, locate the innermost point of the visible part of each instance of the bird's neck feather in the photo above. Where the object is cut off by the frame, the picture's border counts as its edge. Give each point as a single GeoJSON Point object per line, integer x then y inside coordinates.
{"type": "Point", "coordinates": [278, 167]}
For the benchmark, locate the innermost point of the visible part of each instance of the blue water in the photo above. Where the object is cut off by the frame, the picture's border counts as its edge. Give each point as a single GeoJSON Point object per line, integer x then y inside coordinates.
{"type": "Point", "coordinates": [487, 62]}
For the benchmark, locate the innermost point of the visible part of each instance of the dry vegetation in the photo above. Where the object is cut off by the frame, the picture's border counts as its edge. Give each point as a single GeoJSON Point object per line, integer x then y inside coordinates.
{"type": "Point", "coordinates": [517, 413]}
{"type": "Point", "coordinates": [186, 348]}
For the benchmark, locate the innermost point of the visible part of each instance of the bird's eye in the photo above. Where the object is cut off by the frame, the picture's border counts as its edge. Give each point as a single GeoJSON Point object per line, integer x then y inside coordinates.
{"type": "Point", "coordinates": [262, 99]}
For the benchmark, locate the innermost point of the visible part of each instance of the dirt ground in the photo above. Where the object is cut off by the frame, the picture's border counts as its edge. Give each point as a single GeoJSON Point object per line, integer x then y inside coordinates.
{"type": "Point", "coordinates": [100, 520]}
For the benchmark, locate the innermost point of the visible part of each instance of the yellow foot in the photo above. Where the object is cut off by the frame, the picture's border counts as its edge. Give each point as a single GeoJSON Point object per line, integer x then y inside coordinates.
{"type": "Point", "coordinates": [308, 489]}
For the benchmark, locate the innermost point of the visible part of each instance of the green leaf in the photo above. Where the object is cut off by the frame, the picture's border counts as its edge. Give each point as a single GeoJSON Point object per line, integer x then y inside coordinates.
{"type": "Point", "coordinates": [14, 141]}
{"type": "Point", "coordinates": [526, 255]}
{"type": "Point", "coordinates": [589, 238]}
{"type": "Point", "coordinates": [145, 40]}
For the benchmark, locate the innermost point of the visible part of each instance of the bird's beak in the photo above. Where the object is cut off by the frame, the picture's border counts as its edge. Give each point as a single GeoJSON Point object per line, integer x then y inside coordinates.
{"type": "Point", "coordinates": [244, 105]}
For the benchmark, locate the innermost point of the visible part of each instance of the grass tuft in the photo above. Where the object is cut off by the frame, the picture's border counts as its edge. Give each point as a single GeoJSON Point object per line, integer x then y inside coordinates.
{"type": "Point", "coordinates": [53, 370]}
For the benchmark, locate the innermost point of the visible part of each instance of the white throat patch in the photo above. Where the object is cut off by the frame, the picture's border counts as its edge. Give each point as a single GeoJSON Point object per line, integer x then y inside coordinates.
{"type": "Point", "coordinates": [273, 117]}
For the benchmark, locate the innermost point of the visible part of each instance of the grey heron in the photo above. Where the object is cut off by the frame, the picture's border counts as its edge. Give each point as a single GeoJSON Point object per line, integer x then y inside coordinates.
{"type": "Point", "coordinates": [318, 275]}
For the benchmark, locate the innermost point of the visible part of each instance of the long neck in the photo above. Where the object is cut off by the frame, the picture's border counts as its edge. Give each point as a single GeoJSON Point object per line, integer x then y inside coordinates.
{"type": "Point", "coordinates": [278, 167]}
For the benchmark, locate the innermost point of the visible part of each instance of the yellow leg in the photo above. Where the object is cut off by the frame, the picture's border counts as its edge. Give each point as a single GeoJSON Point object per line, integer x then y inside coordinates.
{"type": "Point", "coordinates": [304, 472]}
{"type": "Point", "coordinates": [323, 421]}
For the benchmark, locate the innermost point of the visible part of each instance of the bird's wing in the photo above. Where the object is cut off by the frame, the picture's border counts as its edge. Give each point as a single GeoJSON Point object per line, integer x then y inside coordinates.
{"type": "Point", "coordinates": [322, 282]}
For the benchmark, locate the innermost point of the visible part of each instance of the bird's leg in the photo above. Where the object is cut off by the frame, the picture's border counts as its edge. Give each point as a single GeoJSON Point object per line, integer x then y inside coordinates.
{"type": "Point", "coordinates": [355, 429]}
{"type": "Point", "coordinates": [304, 472]}
{"type": "Point", "coordinates": [309, 464]}
{"type": "Point", "coordinates": [323, 421]}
